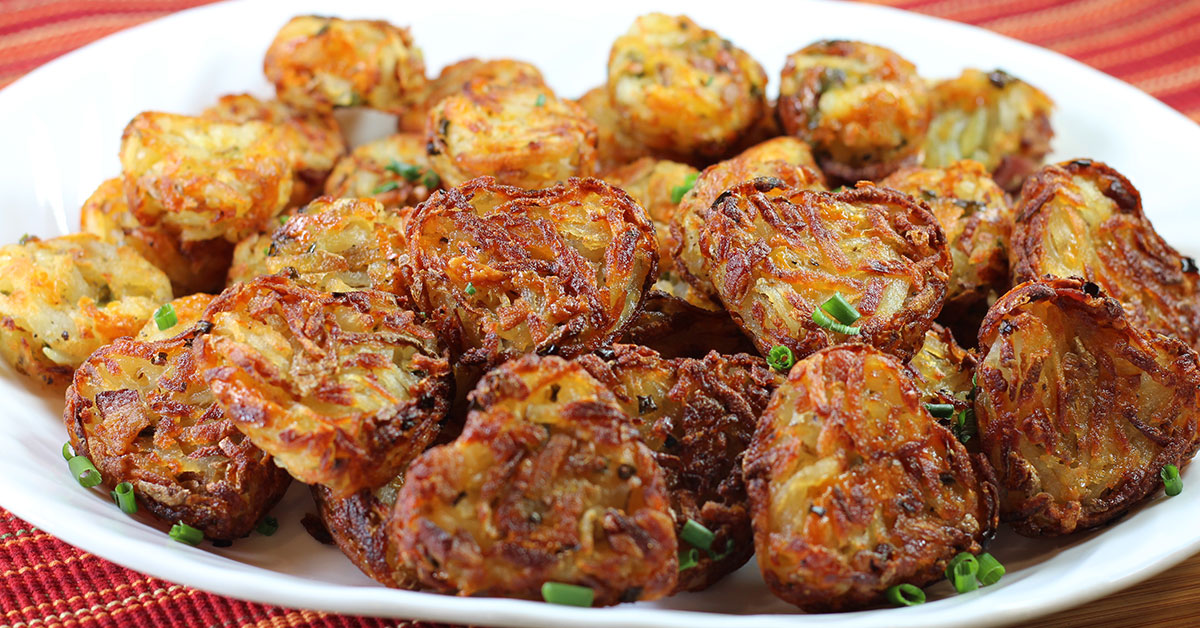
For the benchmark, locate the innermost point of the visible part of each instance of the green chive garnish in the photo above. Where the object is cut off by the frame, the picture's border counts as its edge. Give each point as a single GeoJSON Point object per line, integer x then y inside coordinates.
{"type": "Point", "coordinates": [268, 526]}
{"type": "Point", "coordinates": [838, 307]}
{"type": "Point", "coordinates": [905, 595]}
{"type": "Point", "coordinates": [430, 180]}
{"type": "Point", "coordinates": [470, 289]}
{"type": "Point", "coordinates": [990, 570]}
{"type": "Point", "coordinates": [824, 321]}
{"type": "Point", "coordinates": [408, 171]}
{"type": "Point", "coordinates": [688, 558]}
{"type": "Point", "coordinates": [567, 594]}
{"type": "Point", "coordinates": [123, 496]}
{"type": "Point", "coordinates": [1172, 483]}
{"type": "Point", "coordinates": [940, 410]}
{"type": "Point", "coordinates": [961, 572]}
{"type": "Point", "coordinates": [165, 317]}
{"type": "Point", "coordinates": [678, 191]}
{"type": "Point", "coordinates": [541, 100]}
{"type": "Point", "coordinates": [185, 533]}
{"type": "Point", "coordinates": [84, 471]}
{"type": "Point", "coordinates": [780, 358]}
{"type": "Point", "coordinates": [697, 535]}
{"type": "Point", "coordinates": [68, 452]}
{"type": "Point", "coordinates": [25, 238]}
{"type": "Point", "coordinates": [386, 187]}
{"type": "Point", "coordinates": [965, 426]}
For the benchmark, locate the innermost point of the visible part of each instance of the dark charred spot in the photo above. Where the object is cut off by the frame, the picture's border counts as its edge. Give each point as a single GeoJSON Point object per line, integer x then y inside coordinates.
{"type": "Point", "coordinates": [947, 478]}
{"type": "Point", "coordinates": [1000, 79]}
{"type": "Point", "coordinates": [1082, 163]}
{"type": "Point", "coordinates": [459, 498]}
{"type": "Point", "coordinates": [554, 388]}
{"type": "Point", "coordinates": [432, 149]}
{"type": "Point", "coordinates": [443, 126]}
{"type": "Point", "coordinates": [817, 510]}
{"type": "Point", "coordinates": [204, 327]}
{"type": "Point", "coordinates": [671, 443]}
{"type": "Point", "coordinates": [426, 402]}
{"type": "Point", "coordinates": [292, 273]}
{"type": "Point", "coordinates": [1121, 195]}
{"type": "Point", "coordinates": [646, 404]}
{"type": "Point", "coordinates": [1188, 265]}
{"type": "Point", "coordinates": [1006, 328]}
{"type": "Point", "coordinates": [884, 550]}
{"type": "Point", "coordinates": [606, 353]}
{"type": "Point", "coordinates": [535, 518]}
{"type": "Point", "coordinates": [66, 336]}
{"type": "Point", "coordinates": [724, 195]}
{"type": "Point", "coordinates": [631, 594]}
{"type": "Point", "coordinates": [407, 424]}
{"type": "Point", "coordinates": [549, 350]}
{"type": "Point", "coordinates": [1091, 289]}
{"type": "Point", "coordinates": [766, 184]}
{"type": "Point", "coordinates": [626, 471]}
{"type": "Point", "coordinates": [159, 359]}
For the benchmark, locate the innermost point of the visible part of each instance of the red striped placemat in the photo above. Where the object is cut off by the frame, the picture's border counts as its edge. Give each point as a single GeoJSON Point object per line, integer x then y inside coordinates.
{"type": "Point", "coordinates": [1154, 45]}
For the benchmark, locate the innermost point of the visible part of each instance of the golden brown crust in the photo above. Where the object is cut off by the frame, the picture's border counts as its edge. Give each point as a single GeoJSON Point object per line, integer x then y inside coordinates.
{"type": "Point", "coordinates": [1084, 219]}
{"type": "Point", "coordinates": [202, 179]}
{"type": "Point", "coordinates": [63, 298]}
{"type": "Point", "coordinates": [653, 183]}
{"type": "Point", "coordinates": [503, 271]}
{"type": "Point", "coordinates": [342, 389]}
{"type": "Point", "coordinates": [1078, 408]}
{"type": "Point", "coordinates": [191, 266]}
{"type": "Point", "coordinates": [338, 245]}
{"type": "Point", "coordinates": [775, 254]}
{"type": "Point", "coordinates": [942, 370]}
{"type": "Point", "coordinates": [522, 135]}
{"type": "Point", "coordinates": [682, 90]}
{"type": "Point", "coordinates": [698, 416]}
{"type": "Point", "coordinates": [785, 158]}
{"type": "Point", "coordinates": [319, 63]}
{"type": "Point", "coordinates": [188, 311]}
{"type": "Point", "coordinates": [977, 220]}
{"type": "Point", "coordinates": [549, 482]}
{"type": "Point", "coordinates": [863, 108]}
{"type": "Point", "coordinates": [359, 525]}
{"type": "Point", "coordinates": [855, 488]}
{"type": "Point", "coordinates": [394, 171]}
{"type": "Point", "coordinates": [993, 118]}
{"type": "Point", "coordinates": [614, 146]}
{"type": "Point", "coordinates": [142, 414]}
{"type": "Point", "coordinates": [313, 138]}
{"type": "Point", "coordinates": [454, 77]}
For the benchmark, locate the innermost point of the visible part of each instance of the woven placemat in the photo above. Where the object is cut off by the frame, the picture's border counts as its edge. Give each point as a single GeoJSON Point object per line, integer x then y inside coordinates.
{"type": "Point", "coordinates": [1154, 45]}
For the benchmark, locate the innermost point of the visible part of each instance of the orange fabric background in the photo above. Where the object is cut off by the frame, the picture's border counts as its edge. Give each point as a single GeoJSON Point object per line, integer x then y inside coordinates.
{"type": "Point", "coordinates": [1155, 45]}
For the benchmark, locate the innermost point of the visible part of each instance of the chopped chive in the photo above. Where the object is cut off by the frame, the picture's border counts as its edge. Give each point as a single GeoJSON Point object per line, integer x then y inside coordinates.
{"type": "Point", "coordinates": [824, 321]}
{"type": "Point", "coordinates": [268, 526]}
{"type": "Point", "coordinates": [961, 572]}
{"type": "Point", "coordinates": [940, 410]}
{"type": "Point", "coordinates": [567, 594]}
{"type": "Point", "coordinates": [25, 238]}
{"type": "Point", "coordinates": [386, 187]}
{"type": "Point", "coordinates": [408, 171]}
{"type": "Point", "coordinates": [905, 595]}
{"type": "Point", "coordinates": [282, 218]}
{"type": "Point", "coordinates": [470, 289]}
{"type": "Point", "coordinates": [430, 180]}
{"type": "Point", "coordinates": [541, 100]}
{"type": "Point", "coordinates": [838, 307]}
{"type": "Point", "coordinates": [688, 558]}
{"type": "Point", "coordinates": [696, 534]}
{"type": "Point", "coordinates": [185, 533]}
{"type": "Point", "coordinates": [165, 317]}
{"type": "Point", "coordinates": [990, 570]}
{"type": "Point", "coordinates": [965, 426]}
{"type": "Point", "coordinates": [780, 358]}
{"type": "Point", "coordinates": [708, 81]}
{"type": "Point", "coordinates": [68, 452]}
{"type": "Point", "coordinates": [719, 557]}
{"type": "Point", "coordinates": [678, 191]}
{"type": "Point", "coordinates": [1172, 483]}
{"type": "Point", "coordinates": [84, 471]}
{"type": "Point", "coordinates": [123, 496]}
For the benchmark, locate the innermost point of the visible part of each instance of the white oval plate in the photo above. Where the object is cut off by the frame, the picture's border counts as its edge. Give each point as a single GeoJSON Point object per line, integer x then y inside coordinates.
{"type": "Point", "coordinates": [61, 127]}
